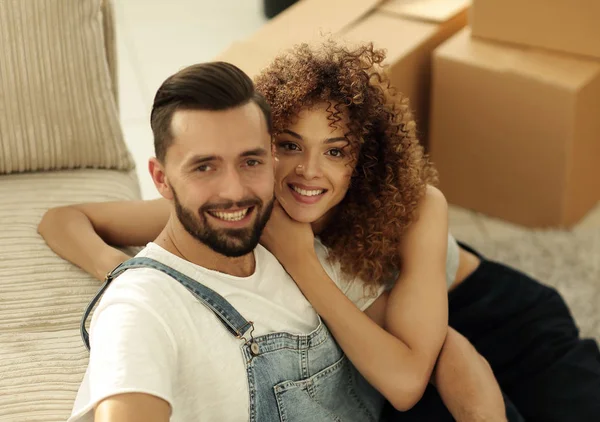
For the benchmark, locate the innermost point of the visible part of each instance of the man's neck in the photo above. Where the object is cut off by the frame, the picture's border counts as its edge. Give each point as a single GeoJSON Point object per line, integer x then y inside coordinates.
{"type": "Point", "coordinates": [175, 239]}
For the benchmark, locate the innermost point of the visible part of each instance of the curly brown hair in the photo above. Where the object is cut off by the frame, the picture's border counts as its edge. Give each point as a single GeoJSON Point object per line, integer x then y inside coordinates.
{"type": "Point", "coordinates": [391, 172]}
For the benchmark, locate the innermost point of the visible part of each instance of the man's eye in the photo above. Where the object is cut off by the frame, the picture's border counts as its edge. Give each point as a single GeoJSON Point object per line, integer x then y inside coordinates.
{"type": "Point", "coordinates": [252, 163]}
{"type": "Point", "coordinates": [203, 168]}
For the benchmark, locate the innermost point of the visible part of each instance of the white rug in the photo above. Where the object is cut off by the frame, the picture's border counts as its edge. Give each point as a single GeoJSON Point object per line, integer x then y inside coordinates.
{"type": "Point", "coordinates": [566, 260]}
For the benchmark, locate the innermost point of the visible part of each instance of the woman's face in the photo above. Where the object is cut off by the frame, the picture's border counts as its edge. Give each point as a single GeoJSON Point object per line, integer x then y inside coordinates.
{"type": "Point", "coordinates": [315, 163]}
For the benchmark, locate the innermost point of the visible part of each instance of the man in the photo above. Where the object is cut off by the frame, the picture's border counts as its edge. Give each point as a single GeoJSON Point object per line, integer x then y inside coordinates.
{"type": "Point", "coordinates": [166, 344]}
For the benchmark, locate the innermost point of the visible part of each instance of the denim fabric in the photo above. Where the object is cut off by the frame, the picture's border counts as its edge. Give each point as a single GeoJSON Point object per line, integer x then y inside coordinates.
{"type": "Point", "coordinates": [293, 378]}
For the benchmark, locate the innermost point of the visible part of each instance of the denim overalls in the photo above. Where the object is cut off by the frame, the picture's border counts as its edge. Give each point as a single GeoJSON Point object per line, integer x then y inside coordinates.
{"type": "Point", "coordinates": [293, 378]}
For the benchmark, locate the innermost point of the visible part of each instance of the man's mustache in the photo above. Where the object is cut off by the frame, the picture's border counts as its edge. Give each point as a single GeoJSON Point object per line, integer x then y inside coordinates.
{"type": "Point", "coordinates": [246, 203]}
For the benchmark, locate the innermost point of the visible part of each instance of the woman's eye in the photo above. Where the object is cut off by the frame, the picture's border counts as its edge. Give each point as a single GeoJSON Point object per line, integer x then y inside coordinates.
{"type": "Point", "coordinates": [289, 146]}
{"type": "Point", "coordinates": [336, 152]}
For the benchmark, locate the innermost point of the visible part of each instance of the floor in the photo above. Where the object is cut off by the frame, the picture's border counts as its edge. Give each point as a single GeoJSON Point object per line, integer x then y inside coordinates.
{"type": "Point", "coordinates": [155, 39]}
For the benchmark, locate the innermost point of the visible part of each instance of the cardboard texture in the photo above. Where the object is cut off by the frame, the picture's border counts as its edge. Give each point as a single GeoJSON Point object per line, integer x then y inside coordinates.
{"type": "Point", "coordinates": [435, 11]}
{"type": "Point", "coordinates": [569, 26]}
{"type": "Point", "coordinates": [408, 57]}
{"type": "Point", "coordinates": [309, 20]}
{"type": "Point", "coordinates": [515, 132]}
{"type": "Point", "coordinates": [410, 31]}
{"type": "Point", "coordinates": [249, 57]}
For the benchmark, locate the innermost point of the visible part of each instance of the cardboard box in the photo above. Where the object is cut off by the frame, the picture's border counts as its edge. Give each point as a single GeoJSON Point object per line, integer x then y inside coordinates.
{"type": "Point", "coordinates": [249, 57]}
{"type": "Point", "coordinates": [434, 11]}
{"type": "Point", "coordinates": [410, 31]}
{"type": "Point", "coordinates": [570, 26]}
{"type": "Point", "coordinates": [515, 132]}
{"type": "Point", "coordinates": [308, 20]}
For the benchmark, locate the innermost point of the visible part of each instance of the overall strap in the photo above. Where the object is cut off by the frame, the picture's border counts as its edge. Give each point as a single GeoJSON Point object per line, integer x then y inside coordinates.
{"type": "Point", "coordinates": [235, 323]}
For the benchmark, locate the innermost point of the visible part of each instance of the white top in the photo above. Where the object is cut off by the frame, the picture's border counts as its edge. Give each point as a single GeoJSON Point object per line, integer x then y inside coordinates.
{"type": "Point", "coordinates": [363, 296]}
{"type": "Point", "coordinates": [150, 335]}
{"type": "Point", "coordinates": [353, 287]}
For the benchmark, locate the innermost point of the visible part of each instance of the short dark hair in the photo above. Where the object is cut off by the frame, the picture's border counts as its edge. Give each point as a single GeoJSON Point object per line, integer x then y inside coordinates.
{"type": "Point", "coordinates": [205, 86]}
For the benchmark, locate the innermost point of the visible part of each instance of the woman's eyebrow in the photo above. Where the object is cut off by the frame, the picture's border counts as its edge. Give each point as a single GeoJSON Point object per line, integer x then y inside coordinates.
{"type": "Point", "coordinates": [327, 141]}
{"type": "Point", "coordinates": [337, 139]}
{"type": "Point", "coordinates": [294, 134]}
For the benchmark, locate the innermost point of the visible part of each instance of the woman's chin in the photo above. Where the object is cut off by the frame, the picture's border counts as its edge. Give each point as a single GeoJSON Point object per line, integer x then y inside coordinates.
{"type": "Point", "coordinates": [302, 216]}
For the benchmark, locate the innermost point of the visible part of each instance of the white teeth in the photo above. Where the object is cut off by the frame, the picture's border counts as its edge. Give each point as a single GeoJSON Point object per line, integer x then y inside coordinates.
{"type": "Point", "coordinates": [230, 216]}
{"type": "Point", "coordinates": [308, 192]}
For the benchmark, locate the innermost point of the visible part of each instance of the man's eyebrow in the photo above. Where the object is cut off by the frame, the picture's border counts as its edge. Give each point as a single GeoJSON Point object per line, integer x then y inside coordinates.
{"type": "Point", "coordinates": [257, 152]}
{"type": "Point", "coordinates": [201, 159]}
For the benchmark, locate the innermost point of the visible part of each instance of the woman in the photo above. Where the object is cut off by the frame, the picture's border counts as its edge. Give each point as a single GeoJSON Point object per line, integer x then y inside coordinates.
{"type": "Point", "coordinates": [351, 169]}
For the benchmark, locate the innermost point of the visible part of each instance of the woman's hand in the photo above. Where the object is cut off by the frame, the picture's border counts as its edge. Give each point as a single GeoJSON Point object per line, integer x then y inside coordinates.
{"type": "Point", "coordinates": [287, 239]}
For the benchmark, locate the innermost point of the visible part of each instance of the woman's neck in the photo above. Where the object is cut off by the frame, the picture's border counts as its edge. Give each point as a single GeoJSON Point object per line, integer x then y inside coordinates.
{"type": "Point", "coordinates": [319, 225]}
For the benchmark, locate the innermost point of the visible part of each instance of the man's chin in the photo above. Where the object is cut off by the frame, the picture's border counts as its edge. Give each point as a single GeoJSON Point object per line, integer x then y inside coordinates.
{"type": "Point", "coordinates": [231, 251]}
{"type": "Point", "coordinates": [232, 243]}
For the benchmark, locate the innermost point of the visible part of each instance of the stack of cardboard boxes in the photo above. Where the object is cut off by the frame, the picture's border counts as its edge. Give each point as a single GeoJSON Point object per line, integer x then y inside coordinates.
{"type": "Point", "coordinates": [408, 29]}
{"type": "Point", "coordinates": [515, 123]}
{"type": "Point", "coordinates": [514, 129]}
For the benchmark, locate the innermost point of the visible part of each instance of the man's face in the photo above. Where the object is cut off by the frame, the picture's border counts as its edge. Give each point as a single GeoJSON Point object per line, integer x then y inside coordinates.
{"type": "Point", "coordinates": [220, 170]}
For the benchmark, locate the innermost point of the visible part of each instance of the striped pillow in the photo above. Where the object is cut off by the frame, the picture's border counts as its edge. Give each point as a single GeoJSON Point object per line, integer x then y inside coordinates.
{"type": "Point", "coordinates": [57, 108]}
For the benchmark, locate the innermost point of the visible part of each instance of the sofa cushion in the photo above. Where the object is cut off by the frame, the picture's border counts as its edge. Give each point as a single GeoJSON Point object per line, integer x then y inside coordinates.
{"type": "Point", "coordinates": [57, 108]}
{"type": "Point", "coordinates": [42, 296]}
{"type": "Point", "coordinates": [110, 45]}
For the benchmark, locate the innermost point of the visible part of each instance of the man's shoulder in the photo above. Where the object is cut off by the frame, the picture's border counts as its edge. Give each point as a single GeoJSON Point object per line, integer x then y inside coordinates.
{"type": "Point", "coordinates": [145, 287]}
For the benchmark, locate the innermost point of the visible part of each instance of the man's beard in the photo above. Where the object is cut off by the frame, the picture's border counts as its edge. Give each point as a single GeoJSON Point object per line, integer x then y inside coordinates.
{"type": "Point", "coordinates": [229, 242]}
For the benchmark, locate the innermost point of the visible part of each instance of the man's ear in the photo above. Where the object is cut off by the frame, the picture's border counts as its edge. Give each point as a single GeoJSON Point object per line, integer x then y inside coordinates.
{"type": "Point", "coordinates": [159, 177]}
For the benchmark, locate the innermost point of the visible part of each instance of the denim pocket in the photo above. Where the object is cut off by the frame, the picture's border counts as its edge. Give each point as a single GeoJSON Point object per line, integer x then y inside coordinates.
{"type": "Point", "coordinates": [328, 396]}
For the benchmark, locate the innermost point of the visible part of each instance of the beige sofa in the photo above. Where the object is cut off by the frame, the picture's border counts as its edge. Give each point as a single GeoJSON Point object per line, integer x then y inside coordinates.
{"type": "Point", "coordinates": [60, 143]}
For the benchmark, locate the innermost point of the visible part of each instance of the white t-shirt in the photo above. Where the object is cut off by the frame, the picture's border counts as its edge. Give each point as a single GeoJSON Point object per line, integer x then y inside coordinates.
{"type": "Point", "coordinates": [150, 335]}
{"type": "Point", "coordinates": [364, 295]}
{"type": "Point", "coordinates": [354, 288]}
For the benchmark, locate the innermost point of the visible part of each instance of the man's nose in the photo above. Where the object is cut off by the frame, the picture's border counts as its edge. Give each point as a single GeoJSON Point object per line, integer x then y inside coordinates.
{"type": "Point", "coordinates": [232, 186]}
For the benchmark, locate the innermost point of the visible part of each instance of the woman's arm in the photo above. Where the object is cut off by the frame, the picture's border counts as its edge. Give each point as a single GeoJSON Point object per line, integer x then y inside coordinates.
{"type": "Point", "coordinates": [82, 233]}
{"type": "Point", "coordinates": [397, 362]}
{"type": "Point", "coordinates": [466, 382]}
{"type": "Point", "coordinates": [463, 378]}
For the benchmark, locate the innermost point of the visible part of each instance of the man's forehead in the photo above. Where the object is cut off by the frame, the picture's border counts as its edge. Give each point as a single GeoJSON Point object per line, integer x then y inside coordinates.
{"type": "Point", "coordinates": [222, 134]}
{"type": "Point", "coordinates": [242, 118]}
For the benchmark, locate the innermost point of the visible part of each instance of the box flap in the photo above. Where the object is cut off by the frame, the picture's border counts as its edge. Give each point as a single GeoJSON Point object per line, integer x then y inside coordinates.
{"type": "Point", "coordinates": [570, 26]}
{"type": "Point", "coordinates": [309, 20]}
{"type": "Point", "coordinates": [249, 57]}
{"type": "Point", "coordinates": [426, 10]}
{"type": "Point", "coordinates": [557, 69]}
{"type": "Point", "coordinates": [377, 27]}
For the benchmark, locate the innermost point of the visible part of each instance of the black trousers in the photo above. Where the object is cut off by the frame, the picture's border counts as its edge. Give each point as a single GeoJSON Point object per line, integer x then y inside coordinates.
{"type": "Point", "coordinates": [526, 332]}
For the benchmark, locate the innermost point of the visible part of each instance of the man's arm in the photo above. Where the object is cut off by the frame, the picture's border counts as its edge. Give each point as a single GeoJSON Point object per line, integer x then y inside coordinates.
{"type": "Point", "coordinates": [133, 357]}
{"type": "Point", "coordinates": [466, 382]}
{"type": "Point", "coordinates": [132, 407]}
